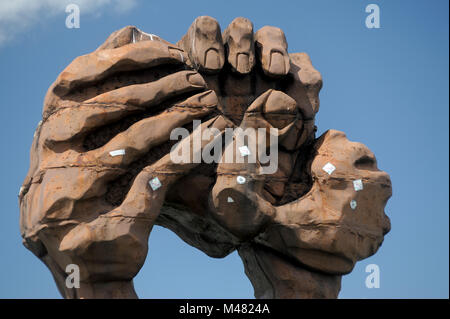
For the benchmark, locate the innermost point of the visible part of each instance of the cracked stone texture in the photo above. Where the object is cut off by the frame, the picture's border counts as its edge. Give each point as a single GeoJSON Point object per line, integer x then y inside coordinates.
{"type": "Point", "coordinates": [105, 134]}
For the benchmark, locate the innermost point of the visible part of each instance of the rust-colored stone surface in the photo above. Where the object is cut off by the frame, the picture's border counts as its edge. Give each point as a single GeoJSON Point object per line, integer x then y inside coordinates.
{"type": "Point", "coordinates": [101, 172]}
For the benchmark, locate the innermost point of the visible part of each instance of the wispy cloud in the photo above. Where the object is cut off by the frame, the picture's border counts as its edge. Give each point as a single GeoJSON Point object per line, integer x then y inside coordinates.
{"type": "Point", "coordinates": [20, 15]}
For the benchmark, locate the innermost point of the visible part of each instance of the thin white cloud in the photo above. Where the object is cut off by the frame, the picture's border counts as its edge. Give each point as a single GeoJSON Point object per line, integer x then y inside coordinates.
{"type": "Point", "coordinates": [19, 15]}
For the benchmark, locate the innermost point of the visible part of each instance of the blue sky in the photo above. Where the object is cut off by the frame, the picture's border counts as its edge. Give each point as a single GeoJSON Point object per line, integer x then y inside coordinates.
{"type": "Point", "coordinates": [386, 88]}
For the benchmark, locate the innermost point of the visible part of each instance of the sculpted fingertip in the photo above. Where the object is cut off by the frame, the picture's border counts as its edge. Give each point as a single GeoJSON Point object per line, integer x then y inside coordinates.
{"type": "Point", "coordinates": [239, 40]}
{"type": "Point", "coordinates": [243, 63]}
{"type": "Point", "coordinates": [178, 54]}
{"type": "Point", "coordinates": [212, 60]}
{"type": "Point", "coordinates": [196, 79]}
{"type": "Point", "coordinates": [277, 66]}
{"type": "Point", "coordinates": [209, 99]}
{"type": "Point", "coordinates": [204, 43]}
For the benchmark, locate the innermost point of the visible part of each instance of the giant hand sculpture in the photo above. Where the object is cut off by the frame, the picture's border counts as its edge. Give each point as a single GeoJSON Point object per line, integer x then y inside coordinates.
{"type": "Point", "coordinates": [102, 171]}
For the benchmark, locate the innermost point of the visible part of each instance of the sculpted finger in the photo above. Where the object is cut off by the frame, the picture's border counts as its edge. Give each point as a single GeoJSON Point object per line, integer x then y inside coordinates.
{"type": "Point", "coordinates": [243, 183]}
{"type": "Point", "coordinates": [204, 45]}
{"type": "Point", "coordinates": [127, 35]}
{"type": "Point", "coordinates": [93, 67]}
{"type": "Point", "coordinates": [236, 198]}
{"type": "Point", "coordinates": [150, 94]}
{"type": "Point", "coordinates": [271, 48]}
{"type": "Point", "coordinates": [275, 109]}
{"type": "Point", "coordinates": [238, 206]}
{"type": "Point", "coordinates": [113, 105]}
{"type": "Point", "coordinates": [239, 42]}
{"type": "Point", "coordinates": [153, 131]}
{"type": "Point", "coordinates": [71, 123]}
{"type": "Point", "coordinates": [306, 85]}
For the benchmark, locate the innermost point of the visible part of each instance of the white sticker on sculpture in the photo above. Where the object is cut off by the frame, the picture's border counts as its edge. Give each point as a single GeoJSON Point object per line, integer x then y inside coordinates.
{"type": "Point", "coordinates": [21, 190]}
{"type": "Point", "coordinates": [117, 152]}
{"type": "Point", "coordinates": [329, 168]}
{"type": "Point", "coordinates": [230, 200]}
{"type": "Point", "coordinates": [357, 185]}
{"type": "Point", "coordinates": [37, 128]}
{"type": "Point", "coordinates": [353, 204]}
{"type": "Point", "coordinates": [155, 183]}
{"type": "Point", "coordinates": [244, 150]}
{"type": "Point", "coordinates": [240, 179]}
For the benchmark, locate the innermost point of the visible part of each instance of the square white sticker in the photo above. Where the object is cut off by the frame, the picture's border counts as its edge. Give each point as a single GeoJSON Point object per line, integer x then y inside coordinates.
{"type": "Point", "coordinates": [244, 150]}
{"type": "Point", "coordinates": [155, 183]}
{"type": "Point", "coordinates": [358, 185]}
{"type": "Point", "coordinates": [117, 152]}
{"type": "Point", "coordinates": [329, 168]}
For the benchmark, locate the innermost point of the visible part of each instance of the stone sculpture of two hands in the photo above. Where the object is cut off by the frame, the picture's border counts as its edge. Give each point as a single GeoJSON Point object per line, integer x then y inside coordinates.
{"type": "Point", "coordinates": [102, 171]}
